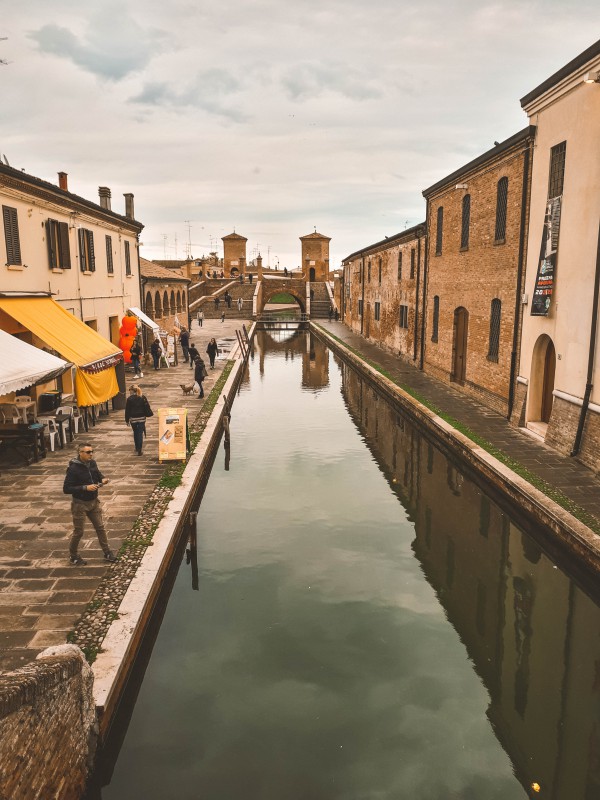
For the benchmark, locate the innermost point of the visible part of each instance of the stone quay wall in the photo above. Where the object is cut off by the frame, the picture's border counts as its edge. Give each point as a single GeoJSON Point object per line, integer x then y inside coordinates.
{"type": "Point", "coordinates": [48, 727]}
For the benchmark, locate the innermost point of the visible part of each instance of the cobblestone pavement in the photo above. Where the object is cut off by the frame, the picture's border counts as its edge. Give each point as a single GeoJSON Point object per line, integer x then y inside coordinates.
{"type": "Point", "coordinates": [41, 595]}
{"type": "Point", "coordinates": [579, 483]}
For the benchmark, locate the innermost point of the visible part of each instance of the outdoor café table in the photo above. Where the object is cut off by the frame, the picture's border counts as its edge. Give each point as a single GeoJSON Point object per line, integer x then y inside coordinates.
{"type": "Point", "coordinates": [61, 420]}
{"type": "Point", "coordinates": [23, 407]}
{"type": "Point", "coordinates": [26, 440]}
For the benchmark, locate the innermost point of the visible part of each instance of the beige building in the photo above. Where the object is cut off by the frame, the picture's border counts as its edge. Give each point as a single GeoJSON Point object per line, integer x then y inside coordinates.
{"type": "Point", "coordinates": [83, 253]}
{"type": "Point", "coordinates": [381, 292]}
{"type": "Point", "coordinates": [558, 392]}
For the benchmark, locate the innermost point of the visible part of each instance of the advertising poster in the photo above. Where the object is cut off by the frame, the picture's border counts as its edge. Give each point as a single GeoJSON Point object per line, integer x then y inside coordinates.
{"type": "Point", "coordinates": [172, 434]}
{"type": "Point", "coordinates": [544, 282]}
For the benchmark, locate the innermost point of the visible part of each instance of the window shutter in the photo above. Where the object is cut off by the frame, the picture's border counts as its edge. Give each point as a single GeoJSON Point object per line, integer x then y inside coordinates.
{"type": "Point", "coordinates": [52, 254]}
{"type": "Point", "coordinates": [501, 206]}
{"type": "Point", "coordinates": [127, 259]}
{"type": "Point", "coordinates": [11, 234]}
{"type": "Point", "coordinates": [92, 256]}
{"type": "Point", "coordinates": [109, 256]}
{"type": "Point", "coordinates": [65, 251]}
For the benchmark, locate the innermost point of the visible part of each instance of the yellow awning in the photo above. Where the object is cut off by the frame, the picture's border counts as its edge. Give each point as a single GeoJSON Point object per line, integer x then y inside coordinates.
{"type": "Point", "coordinates": [94, 355]}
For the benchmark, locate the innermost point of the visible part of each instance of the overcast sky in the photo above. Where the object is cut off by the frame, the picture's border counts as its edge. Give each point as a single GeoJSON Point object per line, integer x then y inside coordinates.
{"type": "Point", "coordinates": [272, 117]}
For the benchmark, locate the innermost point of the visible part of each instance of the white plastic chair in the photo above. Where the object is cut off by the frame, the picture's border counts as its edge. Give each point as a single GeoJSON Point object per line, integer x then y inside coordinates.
{"type": "Point", "coordinates": [9, 413]}
{"type": "Point", "coordinates": [50, 430]}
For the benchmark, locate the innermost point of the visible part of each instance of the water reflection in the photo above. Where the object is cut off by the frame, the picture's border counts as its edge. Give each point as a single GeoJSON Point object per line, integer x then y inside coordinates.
{"type": "Point", "coordinates": [531, 633]}
{"type": "Point", "coordinates": [314, 658]}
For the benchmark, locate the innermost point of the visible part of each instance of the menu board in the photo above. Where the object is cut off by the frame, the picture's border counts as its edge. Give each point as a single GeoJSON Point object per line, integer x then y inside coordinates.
{"type": "Point", "coordinates": [172, 434]}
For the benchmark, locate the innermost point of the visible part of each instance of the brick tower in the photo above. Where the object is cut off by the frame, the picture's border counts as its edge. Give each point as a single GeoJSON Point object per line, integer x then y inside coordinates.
{"type": "Point", "coordinates": [234, 255]}
{"type": "Point", "coordinates": [315, 257]}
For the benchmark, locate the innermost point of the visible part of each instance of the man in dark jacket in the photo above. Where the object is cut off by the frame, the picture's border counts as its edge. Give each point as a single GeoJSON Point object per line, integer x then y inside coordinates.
{"type": "Point", "coordinates": [82, 481]}
{"type": "Point", "coordinates": [193, 351]}
{"type": "Point", "coordinates": [184, 340]}
{"type": "Point", "coordinates": [156, 350]}
{"type": "Point", "coordinates": [199, 374]}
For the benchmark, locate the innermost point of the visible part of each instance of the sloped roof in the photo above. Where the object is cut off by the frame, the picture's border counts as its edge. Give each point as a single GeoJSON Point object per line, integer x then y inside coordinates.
{"type": "Point", "coordinates": [149, 269]}
{"type": "Point", "coordinates": [315, 235]}
{"type": "Point", "coordinates": [234, 236]}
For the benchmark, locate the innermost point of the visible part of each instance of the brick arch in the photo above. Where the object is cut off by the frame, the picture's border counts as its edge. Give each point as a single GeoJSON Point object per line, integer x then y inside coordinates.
{"type": "Point", "coordinates": [267, 295]}
{"type": "Point", "coordinates": [157, 305]}
{"type": "Point", "coordinates": [149, 307]}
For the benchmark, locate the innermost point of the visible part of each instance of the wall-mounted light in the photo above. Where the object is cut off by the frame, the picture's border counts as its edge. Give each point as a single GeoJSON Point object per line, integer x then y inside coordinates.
{"type": "Point", "coordinates": [461, 186]}
{"type": "Point", "coordinates": [592, 77]}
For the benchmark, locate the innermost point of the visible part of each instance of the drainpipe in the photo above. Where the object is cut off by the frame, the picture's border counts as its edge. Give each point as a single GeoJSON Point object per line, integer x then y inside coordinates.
{"type": "Point", "coordinates": [520, 269]}
{"type": "Point", "coordinates": [425, 265]}
{"type": "Point", "coordinates": [416, 335]}
{"type": "Point", "coordinates": [362, 316]}
{"type": "Point", "coordinates": [591, 357]}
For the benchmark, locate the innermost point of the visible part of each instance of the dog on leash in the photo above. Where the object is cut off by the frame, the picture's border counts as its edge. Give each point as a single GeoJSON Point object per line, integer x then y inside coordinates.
{"type": "Point", "coordinates": [187, 389]}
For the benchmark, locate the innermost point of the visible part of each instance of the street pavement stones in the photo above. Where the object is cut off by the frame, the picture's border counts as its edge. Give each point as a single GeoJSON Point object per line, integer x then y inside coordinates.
{"type": "Point", "coordinates": [576, 481]}
{"type": "Point", "coordinates": [41, 595]}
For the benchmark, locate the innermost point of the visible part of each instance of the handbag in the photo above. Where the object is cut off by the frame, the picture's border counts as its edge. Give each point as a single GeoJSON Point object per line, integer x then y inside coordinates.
{"type": "Point", "coordinates": [147, 409]}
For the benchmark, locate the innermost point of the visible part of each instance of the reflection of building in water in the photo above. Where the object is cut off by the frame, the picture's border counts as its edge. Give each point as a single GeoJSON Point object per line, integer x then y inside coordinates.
{"type": "Point", "coordinates": [315, 364]}
{"type": "Point", "coordinates": [532, 635]}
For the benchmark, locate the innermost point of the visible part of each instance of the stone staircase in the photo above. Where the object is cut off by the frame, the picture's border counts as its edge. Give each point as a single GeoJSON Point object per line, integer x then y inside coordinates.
{"type": "Point", "coordinates": [236, 290]}
{"type": "Point", "coordinates": [320, 303]}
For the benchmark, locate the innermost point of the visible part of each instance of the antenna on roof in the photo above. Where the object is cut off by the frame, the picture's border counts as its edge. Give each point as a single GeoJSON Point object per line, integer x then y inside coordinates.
{"type": "Point", "coordinates": [5, 159]}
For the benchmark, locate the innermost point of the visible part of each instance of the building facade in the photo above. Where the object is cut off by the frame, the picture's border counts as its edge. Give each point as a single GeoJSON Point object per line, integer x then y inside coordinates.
{"type": "Point", "coordinates": [477, 227]}
{"type": "Point", "coordinates": [381, 292]}
{"type": "Point", "coordinates": [315, 257]}
{"type": "Point", "coordinates": [234, 255]}
{"type": "Point", "coordinates": [165, 295]}
{"type": "Point", "coordinates": [558, 392]}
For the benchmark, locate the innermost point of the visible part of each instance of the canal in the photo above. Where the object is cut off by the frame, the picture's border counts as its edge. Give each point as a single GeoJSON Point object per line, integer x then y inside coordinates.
{"type": "Point", "coordinates": [359, 621]}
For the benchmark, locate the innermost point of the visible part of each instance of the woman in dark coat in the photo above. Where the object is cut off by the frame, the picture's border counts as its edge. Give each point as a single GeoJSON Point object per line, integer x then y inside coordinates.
{"type": "Point", "coordinates": [193, 354]}
{"type": "Point", "coordinates": [155, 349]}
{"type": "Point", "coordinates": [200, 374]}
{"type": "Point", "coordinates": [213, 352]}
{"type": "Point", "coordinates": [137, 408]}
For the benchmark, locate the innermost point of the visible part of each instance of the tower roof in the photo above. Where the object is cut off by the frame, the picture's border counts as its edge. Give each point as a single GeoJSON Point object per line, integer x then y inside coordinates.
{"type": "Point", "coordinates": [231, 236]}
{"type": "Point", "coordinates": [315, 235]}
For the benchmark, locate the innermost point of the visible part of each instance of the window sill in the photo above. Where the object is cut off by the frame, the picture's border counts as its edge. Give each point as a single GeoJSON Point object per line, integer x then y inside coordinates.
{"type": "Point", "coordinates": [129, 276]}
{"type": "Point", "coordinates": [57, 270]}
{"type": "Point", "coordinates": [493, 359]}
{"type": "Point", "coordinates": [16, 267]}
{"type": "Point", "coordinates": [110, 274]}
{"type": "Point", "coordinates": [499, 242]}
{"type": "Point", "coordinates": [464, 249]}
{"type": "Point", "coordinates": [86, 272]}
{"type": "Point", "coordinates": [437, 254]}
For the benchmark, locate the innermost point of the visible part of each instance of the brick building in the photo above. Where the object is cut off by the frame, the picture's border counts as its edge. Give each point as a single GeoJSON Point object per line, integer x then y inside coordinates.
{"type": "Point", "coordinates": [164, 296]}
{"type": "Point", "coordinates": [381, 292]}
{"type": "Point", "coordinates": [477, 224]}
{"type": "Point", "coordinates": [558, 392]}
{"type": "Point", "coordinates": [234, 255]}
{"type": "Point", "coordinates": [315, 257]}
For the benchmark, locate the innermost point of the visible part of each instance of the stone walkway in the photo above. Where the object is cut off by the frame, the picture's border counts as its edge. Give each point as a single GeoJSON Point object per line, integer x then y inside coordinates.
{"type": "Point", "coordinates": [41, 595]}
{"type": "Point", "coordinates": [571, 477]}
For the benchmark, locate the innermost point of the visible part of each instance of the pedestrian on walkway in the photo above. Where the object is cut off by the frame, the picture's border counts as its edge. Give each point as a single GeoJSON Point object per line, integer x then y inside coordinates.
{"type": "Point", "coordinates": [200, 374]}
{"type": "Point", "coordinates": [217, 302]}
{"type": "Point", "coordinates": [200, 317]}
{"type": "Point", "coordinates": [137, 408]}
{"type": "Point", "coordinates": [155, 349]}
{"type": "Point", "coordinates": [82, 481]}
{"type": "Point", "coordinates": [240, 303]}
{"type": "Point", "coordinates": [241, 278]}
{"type": "Point", "coordinates": [193, 354]}
{"type": "Point", "coordinates": [222, 316]}
{"type": "Point", "coordinates": [136, 354]}
{"type": "Point", "coordinates": [337, 315]}
{"type": "Point", "coordinates": [184, 341]}
{"type": "Point", "coordinates": [250, 277]}
{"type": "Point", "coordinates": [213, 352]}
{"type": "Point", "coordinates": [330, 313]}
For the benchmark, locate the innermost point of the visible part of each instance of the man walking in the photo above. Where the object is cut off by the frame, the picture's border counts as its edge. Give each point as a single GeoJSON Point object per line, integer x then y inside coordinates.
{"type": "Point", "coordinates": [200, 318]}
{"type": "Point", "coordinates": [184, 341]}
{"type": "Point", "coordinates": [156, 349]}
{"type": "Point", "coordinates": [82, 481]}
{"type": "Point", "coordinates": [240, 303]}
{"type": "Point", "coordinates": [194, 353]}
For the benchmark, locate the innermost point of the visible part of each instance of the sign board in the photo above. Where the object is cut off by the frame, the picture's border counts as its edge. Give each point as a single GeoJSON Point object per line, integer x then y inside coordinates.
{"type": "Point", "coordinates": [172, 434]}
{"type": "Point", "coordinates": [170, 349]}
{"type": "Point", "coordinates": [546, 274]}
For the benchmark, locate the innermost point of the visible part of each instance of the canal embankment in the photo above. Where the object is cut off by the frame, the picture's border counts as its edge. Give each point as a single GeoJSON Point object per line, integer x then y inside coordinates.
{"type": "Point", "coordinates": [544, 487]}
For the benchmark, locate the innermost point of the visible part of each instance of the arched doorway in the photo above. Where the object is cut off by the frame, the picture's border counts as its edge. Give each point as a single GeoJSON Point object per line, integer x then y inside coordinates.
{"type": "Point", "coordinates": [541, 383]}
{"type": "Point", "coordinates": [311, 274]}
{"type": "Point", "coordinates": [459, 345]}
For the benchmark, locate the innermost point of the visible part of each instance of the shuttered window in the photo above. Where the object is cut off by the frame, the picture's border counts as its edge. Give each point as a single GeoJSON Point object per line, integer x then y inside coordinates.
{"type": "Point", "coordinates": [11, 235]}
{"type": "Point", "coordinates": [436, 318]}
{"type": "Point", "coordinates": [400, 265]}
{"type": "Point", "coordinates": [380, 268]}
{"type": "Point", "coordinates": [439, 234]}
{"type": "Point", "coordinates": [57, 239]}
{"type": "Point", "coordinates": [87, 259]}
{"type": "Point", "coordinates": [377, 311]}
{"type": "Point", "coordinates": [494, 346]}
{"type": "Point", "coordinates": [360, 308]}
{"type": "Point", "coordinates": [109, 256]}
{"type": "Point", "coordinates": [466, 222]}
{"type": "Point", "coordinates": [413, 259]}
{"type": "Point", "coordinates": [501, 206]}
{"type": "Point", "coordinates": [369, 272]}
{"type": "Point", "coordinates": [127, 259]}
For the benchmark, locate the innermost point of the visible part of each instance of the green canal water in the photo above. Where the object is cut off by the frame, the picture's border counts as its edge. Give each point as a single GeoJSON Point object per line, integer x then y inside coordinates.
{"type": "Point", "coordinates": [358, 622]}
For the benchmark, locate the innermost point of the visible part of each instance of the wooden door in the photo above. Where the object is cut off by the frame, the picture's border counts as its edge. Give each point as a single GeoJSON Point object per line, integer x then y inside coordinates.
{"type": "Point", "coordinates": [548, 385]}
{"type": "Point", "coordinates": [461, 331]}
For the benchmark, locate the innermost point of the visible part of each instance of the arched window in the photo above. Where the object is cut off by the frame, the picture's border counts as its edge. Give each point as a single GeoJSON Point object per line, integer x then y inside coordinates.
{"type": "Point", "coordinates": [369, 272]}
{"type": "Point", "coordinates": [436, 319]}
{"type": "Point", "coordinates": [149, 309]}
{"type": "Point", "coordinates": [495, 313]}
{"type": "Point", "coordinates": [380, 267]}
{"type": "Point", "coordinates": [157, 306]}
{"type": "Point", "coordinates": [501, 205]}
{"type": "Point", "coordinates": [439, 234]}
{"type": "Point", "coordinates": [400, 265]}
{"type": "Point", "coordinates": [165, 304]}
{"type": "Point", "coordinates": [173, 305]}
{"type": "Point", "coordinates": [466, 222]}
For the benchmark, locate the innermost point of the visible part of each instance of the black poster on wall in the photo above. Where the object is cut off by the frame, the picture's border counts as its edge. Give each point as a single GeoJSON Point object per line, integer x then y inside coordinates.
{"type": "Point", "coordinates": [544, 282]}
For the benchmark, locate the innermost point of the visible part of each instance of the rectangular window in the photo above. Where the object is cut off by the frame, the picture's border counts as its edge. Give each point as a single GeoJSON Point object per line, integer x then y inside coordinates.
{"type": "Point", "coordinates": [400, 265]}
{"type": "Point", "coordinates": [557, 170]}
{"type": "Point", "coordinates": [369, 272]}
{"type": "Point", "coordinates": [439, 234]}
{"type": "Point", "coordinates": [87, 259]}
{"type": "Point", "coordinates": [127, 259]}
{"type": "Point", "coordinates": [403, 321]}
{"type": "Point", "coordinates": [466, 222]}
{"type": "Point", "coordinates": [109, 256]}
{"type": "Point", "coordinates": [380, 268]}
{"type": "Point", "coordinates": [501, 206]}
{"type": "Point", "coordinates": [377, 311]}
{"type": "Point", "coordinates": [360, 308]}
{"type": "Point", "coordinates": [11, 235]}
{"type": "Point", "coordinates": [413, 258]}
{"type": "Point", "coordinates": [57, 239]}
{"type": "Point", "coordinates": [494, 342]}
{"type": "Point", "coordinates": [436, 318]}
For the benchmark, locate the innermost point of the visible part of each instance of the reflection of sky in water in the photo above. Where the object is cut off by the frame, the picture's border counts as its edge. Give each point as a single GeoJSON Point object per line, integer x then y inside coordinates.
{"type": "Point", "coordinates": [315, 661]}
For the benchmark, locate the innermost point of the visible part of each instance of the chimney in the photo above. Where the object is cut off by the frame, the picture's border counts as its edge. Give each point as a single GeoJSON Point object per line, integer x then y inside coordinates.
{"type": "Point", "coordinates": [129, 205]}
{"type": "Point", "coordinates": [104, 193]}
{"type": "Point", "coordinates": [62, 181]}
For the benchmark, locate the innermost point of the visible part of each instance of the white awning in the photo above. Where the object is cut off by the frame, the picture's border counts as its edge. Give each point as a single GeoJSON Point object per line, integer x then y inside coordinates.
{"type": "Point", "coordinates": [145, 319]}
{"type": "Point", "coordinates": [23, 365]}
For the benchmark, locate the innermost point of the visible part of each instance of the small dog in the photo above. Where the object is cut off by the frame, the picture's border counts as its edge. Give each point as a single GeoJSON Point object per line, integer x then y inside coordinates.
{"type": "Point", "coordinates": [187, 389]}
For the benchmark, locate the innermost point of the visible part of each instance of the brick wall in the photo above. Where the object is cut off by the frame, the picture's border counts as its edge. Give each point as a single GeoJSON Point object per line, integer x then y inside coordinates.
{"type": "Point", "coordinates": [471, 276]}
{"type": "Point", "coordinates": [47, 727]}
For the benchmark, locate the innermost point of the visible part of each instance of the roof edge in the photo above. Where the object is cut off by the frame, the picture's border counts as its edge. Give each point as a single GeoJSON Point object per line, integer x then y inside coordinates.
{"type": "Point", "coordinates": [563, 72]}
{"type": "Point", "coordinates": [391, 240]}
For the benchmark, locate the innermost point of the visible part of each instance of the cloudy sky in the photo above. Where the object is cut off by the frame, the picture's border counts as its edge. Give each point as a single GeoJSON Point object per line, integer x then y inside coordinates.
{"type": "Point", "coordinates": [272, 117]}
